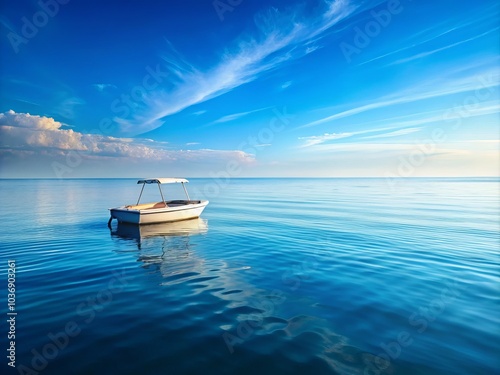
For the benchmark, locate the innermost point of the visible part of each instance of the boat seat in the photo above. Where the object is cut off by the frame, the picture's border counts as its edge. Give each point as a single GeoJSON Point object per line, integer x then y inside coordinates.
{"type": "Point", "coordinates": [159, 205]}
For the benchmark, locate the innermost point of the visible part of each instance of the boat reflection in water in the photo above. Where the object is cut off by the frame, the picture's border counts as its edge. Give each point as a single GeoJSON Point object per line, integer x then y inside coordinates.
{"type": "Point", "coordinates": [178, 228]}
{"type": "Point", "coordinates": [164, 245]}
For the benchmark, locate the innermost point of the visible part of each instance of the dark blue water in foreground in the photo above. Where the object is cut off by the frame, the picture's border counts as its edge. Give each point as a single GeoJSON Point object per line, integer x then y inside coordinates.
{"type": "Point", "coordinates": [280, 276]}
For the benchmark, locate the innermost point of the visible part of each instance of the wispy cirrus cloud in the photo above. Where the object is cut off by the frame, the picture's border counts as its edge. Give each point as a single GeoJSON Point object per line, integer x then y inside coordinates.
{"type": "Point", "coordinates": [235, 116]}
{"type": "Point", "coordinates": [394, 127]}
{"type": "Point", "coordinates": [231, 117]}
{"type": "Point", "coordinates": [200, 112]}
{"type": "Point", "coordinates": [439, 32]}
{"type": "Point", "coordinates": [428, 53]}
{"type": "Point", "coordinates": [68, 106]}
{"type": "Point", "coordinates": [318, 139]}
{"type": "Point", "coordinates": [101, 87]}
{"type": "Point", "coordinates": [402, 148]}
{"type": "Point", "coordinates": [432, 35]}
{"type": "Point", "coordinates": [418, 119]}
{"type": "Point", "coordinates": [281, 37]}
{"type": "Point", "coordinates": [286, 85]}
{"type": "Point", "coordinates": [432, 88]}
{"type": "Point", "coordinates": [387, 132]}
{"type": "Point", "coordinates": [396, 133]}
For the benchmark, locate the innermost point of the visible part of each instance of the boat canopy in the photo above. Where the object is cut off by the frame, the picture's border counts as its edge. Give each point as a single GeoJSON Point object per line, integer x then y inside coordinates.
{"type": "Point", "coordinates": [162, 180]}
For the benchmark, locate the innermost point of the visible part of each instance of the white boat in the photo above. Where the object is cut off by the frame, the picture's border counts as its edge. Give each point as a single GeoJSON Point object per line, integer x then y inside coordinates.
{"type": "Point", "coordinates": [162, 211]}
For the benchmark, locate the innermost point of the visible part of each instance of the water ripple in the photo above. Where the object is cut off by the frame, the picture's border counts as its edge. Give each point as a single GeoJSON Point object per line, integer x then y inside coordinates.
{"type": "Point", "coordinates": [291, 276]}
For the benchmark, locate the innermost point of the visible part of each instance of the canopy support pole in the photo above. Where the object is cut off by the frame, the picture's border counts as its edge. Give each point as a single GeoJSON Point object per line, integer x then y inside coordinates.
{"type": "Point", "coordinates": [161, 193]}
{"type": "Point", "coordinates": [140, 195]}
{"type": "Point", "coordinates": [185, 191]}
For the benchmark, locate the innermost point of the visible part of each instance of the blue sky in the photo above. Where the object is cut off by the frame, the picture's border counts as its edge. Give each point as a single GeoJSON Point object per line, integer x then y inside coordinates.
{"type": "Point", "coordinates": [249, 88]}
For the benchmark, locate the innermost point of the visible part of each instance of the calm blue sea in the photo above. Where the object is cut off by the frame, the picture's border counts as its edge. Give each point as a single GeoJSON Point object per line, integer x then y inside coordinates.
{"type": "Point", "coordinates": [279, 276]}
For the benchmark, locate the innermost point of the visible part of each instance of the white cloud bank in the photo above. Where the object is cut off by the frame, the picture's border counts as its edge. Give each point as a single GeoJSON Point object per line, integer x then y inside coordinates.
{"type": "Point", "coordinates": [23, 135]}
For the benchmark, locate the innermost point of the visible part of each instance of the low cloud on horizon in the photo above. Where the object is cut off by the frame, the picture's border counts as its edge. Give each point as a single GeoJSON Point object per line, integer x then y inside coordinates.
{"type": "Point", "coordinates": [29, 137]}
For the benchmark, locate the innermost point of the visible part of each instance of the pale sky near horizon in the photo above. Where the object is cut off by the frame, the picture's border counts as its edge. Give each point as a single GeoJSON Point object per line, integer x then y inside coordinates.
{"type": "Point", "coordinates": [249, 88]}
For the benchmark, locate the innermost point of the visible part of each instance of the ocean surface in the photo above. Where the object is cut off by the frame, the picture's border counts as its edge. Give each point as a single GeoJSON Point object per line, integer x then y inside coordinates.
{"type": "Point", "coordinates": [278, 276]}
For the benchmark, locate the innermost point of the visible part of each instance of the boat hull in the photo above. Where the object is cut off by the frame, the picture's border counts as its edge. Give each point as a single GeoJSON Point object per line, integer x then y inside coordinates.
{"type": "Point", "coordinates": [158, 215]}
